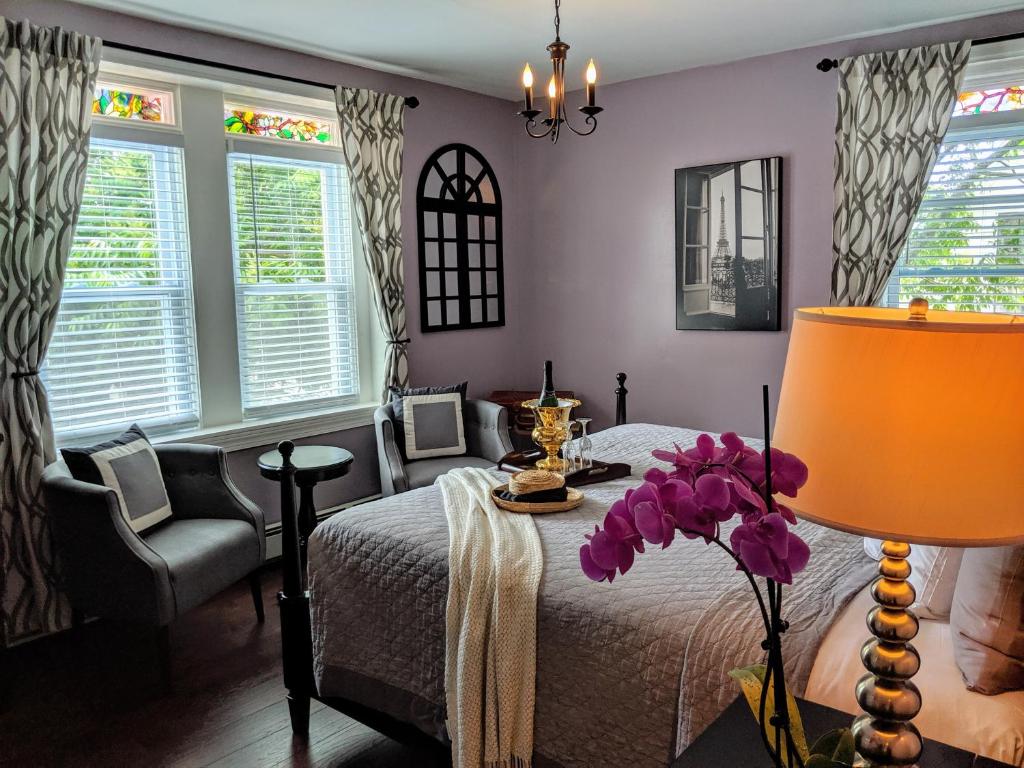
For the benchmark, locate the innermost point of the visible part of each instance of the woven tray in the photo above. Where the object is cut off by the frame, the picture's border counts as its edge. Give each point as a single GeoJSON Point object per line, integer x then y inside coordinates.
{"type": "Point", "coordinates": [574, 500]}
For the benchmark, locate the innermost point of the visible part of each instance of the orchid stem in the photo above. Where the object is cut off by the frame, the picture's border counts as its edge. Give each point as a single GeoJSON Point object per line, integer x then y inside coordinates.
{"type": "Point", "coordinates": [743, 568]}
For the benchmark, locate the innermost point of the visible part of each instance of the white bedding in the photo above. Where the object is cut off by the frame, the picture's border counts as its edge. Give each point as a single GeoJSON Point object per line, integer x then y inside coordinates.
{"type": "Point", "coordinates": [990, 725]}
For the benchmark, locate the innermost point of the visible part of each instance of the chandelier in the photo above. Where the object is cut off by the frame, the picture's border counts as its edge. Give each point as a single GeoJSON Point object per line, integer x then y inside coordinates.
{"type": "Point", "coordinates": [557, 116]}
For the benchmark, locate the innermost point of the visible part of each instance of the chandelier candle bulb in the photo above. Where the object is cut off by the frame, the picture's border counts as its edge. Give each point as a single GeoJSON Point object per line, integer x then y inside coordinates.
{"type": "Point", "coordinates": [528, 86]}
{"type": "Point", "coordinates": [591, 83]}
{"type": "Point", "coordinates": [553, 97]}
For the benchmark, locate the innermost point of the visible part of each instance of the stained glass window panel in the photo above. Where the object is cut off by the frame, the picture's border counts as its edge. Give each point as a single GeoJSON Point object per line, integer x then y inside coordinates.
{"type": "Point", "coordinates": [989, 101]}
{"type": "Point", "coordinates": [250, 121]}
{"type": "Point", "coordinates": [127, 103]}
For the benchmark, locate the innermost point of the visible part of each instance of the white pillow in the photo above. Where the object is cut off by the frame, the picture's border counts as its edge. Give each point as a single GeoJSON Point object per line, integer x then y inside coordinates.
{"type": "Point", "coordinates": [933, 572]}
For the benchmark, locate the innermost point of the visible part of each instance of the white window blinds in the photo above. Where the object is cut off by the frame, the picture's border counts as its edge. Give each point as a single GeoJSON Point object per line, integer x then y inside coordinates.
{"type": "Point", "coordinates": [124, 346]}
{"type": "Point", "coordinates": [293, 283]}
{"type": "Point", "coordinates": [966, 249]}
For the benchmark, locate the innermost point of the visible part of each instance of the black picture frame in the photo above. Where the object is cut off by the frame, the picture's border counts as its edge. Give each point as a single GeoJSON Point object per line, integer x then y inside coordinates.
{"type": "Point", "coordinates": [728, 239]}
{"type": "Point", "coordinates": [461, 265]}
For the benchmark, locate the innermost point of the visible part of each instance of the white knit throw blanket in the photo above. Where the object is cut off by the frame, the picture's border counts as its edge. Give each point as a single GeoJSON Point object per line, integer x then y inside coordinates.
{"type": "Point", "coordinates": [494, 569]}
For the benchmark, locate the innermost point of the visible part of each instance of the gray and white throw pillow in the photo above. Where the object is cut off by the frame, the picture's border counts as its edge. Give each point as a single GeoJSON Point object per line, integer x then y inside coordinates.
{"type": "Point", "coordinates": [398, 393]}
{"type": "Point", "coordinates": [128, 466]}
{"type": "Point", "coordinates": [433, 426]}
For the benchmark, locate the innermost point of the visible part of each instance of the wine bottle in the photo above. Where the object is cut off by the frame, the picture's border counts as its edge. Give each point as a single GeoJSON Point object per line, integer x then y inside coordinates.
{"type": "Point", "coordinates": [548, 398]}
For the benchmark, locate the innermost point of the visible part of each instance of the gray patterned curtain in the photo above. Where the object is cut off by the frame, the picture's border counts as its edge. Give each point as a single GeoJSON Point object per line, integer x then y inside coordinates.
{"type": "Point", "coordinates": [46, 85]}
{"type": "Point", "coordinates": [371, 138]}
{"type": "Point", "coordinates": [894, 108]}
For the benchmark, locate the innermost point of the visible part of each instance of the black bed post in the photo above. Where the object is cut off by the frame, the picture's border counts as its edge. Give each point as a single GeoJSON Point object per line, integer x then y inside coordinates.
{"type": "Point", "coordinates": [293, 599]}
{"type": "Point", "coordinates": [620, 399]}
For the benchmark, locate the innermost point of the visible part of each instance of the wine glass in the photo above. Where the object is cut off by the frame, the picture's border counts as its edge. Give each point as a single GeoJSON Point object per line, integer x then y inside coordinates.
{"type": "Point", "coordinates": [584, 448]}
{"type": "Point", "coordinates": [569, 455]}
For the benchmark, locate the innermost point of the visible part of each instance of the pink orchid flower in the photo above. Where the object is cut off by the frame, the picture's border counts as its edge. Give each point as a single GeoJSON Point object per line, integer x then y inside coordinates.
{"type": "Point", "coordinates": [706, 486]}
{"type": "Point", "coordinates": [768, 548]}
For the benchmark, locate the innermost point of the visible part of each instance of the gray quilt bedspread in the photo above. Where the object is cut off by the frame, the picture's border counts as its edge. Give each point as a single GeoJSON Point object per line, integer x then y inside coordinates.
{"type": "Point", "coordinates": [628, 673]}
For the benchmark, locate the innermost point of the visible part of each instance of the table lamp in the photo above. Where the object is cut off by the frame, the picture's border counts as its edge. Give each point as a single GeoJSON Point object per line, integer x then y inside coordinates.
{"type": "Point", "coordinates": [911, 423]}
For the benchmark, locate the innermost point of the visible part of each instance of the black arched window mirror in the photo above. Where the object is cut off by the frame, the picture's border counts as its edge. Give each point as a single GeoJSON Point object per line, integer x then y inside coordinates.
{"type": "Point", "coordinates": [458, 204]}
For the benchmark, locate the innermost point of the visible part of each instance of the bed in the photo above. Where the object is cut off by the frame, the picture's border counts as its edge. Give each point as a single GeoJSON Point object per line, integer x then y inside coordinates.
{"type": "Point", "coordinates": [629, 672]}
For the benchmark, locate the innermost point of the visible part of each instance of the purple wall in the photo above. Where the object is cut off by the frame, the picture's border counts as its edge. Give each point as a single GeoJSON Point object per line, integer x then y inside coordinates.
{"type": "Point", "coordinates": [599, 212]}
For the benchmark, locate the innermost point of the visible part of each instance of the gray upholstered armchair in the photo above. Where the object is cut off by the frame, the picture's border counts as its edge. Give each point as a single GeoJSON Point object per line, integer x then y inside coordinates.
{"type": "Point", "coordinates": [214, 538]}
{"type": "Point", "coordinates": [487, 441]}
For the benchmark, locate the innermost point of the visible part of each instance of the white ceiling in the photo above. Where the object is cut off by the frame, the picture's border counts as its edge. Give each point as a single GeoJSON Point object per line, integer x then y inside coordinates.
{"type": "Point", "coordinates": [481, 44]}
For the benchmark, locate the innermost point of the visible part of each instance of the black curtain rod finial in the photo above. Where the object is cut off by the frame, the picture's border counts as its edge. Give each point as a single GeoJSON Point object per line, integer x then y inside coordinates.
{"type": "Point", "coordinates": [827, 65]}
{"type": "Point", "coordinates": [412, 102]}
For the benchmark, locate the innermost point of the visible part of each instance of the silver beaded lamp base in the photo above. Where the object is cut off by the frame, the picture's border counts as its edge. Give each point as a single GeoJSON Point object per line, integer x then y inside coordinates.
{"type": "Point", "coordinates": [885, 735]}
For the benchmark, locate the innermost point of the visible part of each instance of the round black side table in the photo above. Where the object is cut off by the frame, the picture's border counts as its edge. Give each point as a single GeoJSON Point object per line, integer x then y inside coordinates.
{"type": "Point", "coordinates": [312, 464]}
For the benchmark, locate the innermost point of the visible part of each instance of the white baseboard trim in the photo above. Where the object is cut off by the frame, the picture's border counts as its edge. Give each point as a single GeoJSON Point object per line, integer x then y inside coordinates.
{"type": "Point", "coordinates": [274, 529]}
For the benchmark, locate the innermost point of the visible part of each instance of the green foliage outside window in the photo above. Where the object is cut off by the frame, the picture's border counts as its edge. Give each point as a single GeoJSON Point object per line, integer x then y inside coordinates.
{"type": "Point", "coordinates": [967, 240]}
{"type": "Point", "coordinates": [116, 241]}
{"type": "Point", "coordinates": [280, 223]}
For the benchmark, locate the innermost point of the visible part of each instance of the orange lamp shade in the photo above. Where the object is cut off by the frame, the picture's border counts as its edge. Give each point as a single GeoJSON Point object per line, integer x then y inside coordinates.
{"type": "Point", "coordinates": [911, 429]}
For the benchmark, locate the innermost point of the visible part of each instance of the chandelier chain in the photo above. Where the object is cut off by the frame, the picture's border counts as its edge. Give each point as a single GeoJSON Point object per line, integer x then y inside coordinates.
{"type": "Point", "coordinates": [558, 19]}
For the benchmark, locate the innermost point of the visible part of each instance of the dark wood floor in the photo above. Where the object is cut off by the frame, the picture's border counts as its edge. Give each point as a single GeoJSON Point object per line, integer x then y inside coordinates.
{"type": "Point", "coordinates": [89, 697]}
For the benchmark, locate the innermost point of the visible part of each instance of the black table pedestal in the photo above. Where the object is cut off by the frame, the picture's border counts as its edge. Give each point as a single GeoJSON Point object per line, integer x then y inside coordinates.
{"type": "Point", "coordinates": [302, 466]}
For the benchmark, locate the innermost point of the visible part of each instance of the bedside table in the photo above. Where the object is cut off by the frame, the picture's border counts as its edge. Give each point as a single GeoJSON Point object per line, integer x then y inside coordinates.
{"type": "Point", "coordinates": [732, 740]}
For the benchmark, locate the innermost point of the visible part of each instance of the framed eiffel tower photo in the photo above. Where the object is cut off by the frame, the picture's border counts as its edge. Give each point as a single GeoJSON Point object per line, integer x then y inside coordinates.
{"type": "Point", "coordinates": [728, 239]}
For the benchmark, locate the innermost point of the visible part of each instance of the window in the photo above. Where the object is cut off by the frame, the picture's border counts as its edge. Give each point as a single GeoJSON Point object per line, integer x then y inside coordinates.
{"type": "Point", "coordinates": [211, 281]}
{"type": "Point", "coordinates": [966, 249]}
{"type": "Point", "coordinates": [123, 349]}
{"type": "Point", "coordinates": [697, 232]}
{"type": "Point", "coordinates": [293, 283]}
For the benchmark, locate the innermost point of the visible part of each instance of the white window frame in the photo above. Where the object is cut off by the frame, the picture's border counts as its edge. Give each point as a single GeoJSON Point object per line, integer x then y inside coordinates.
{"type": "Point", "coordinates": [199, 94]}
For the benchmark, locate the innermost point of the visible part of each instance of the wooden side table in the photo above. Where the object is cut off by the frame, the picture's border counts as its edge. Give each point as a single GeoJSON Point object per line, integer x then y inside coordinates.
{"type": "Point", "coordinates": [732, 741]}
{"type": "Point", "coordinates": [313, 464]}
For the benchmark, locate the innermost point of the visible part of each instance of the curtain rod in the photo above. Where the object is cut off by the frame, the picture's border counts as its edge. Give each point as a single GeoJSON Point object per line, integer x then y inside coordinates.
{"type": "Point", "coordinates": [827, 65]}
{"type": "Point", "coordinates": [410, 101]}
